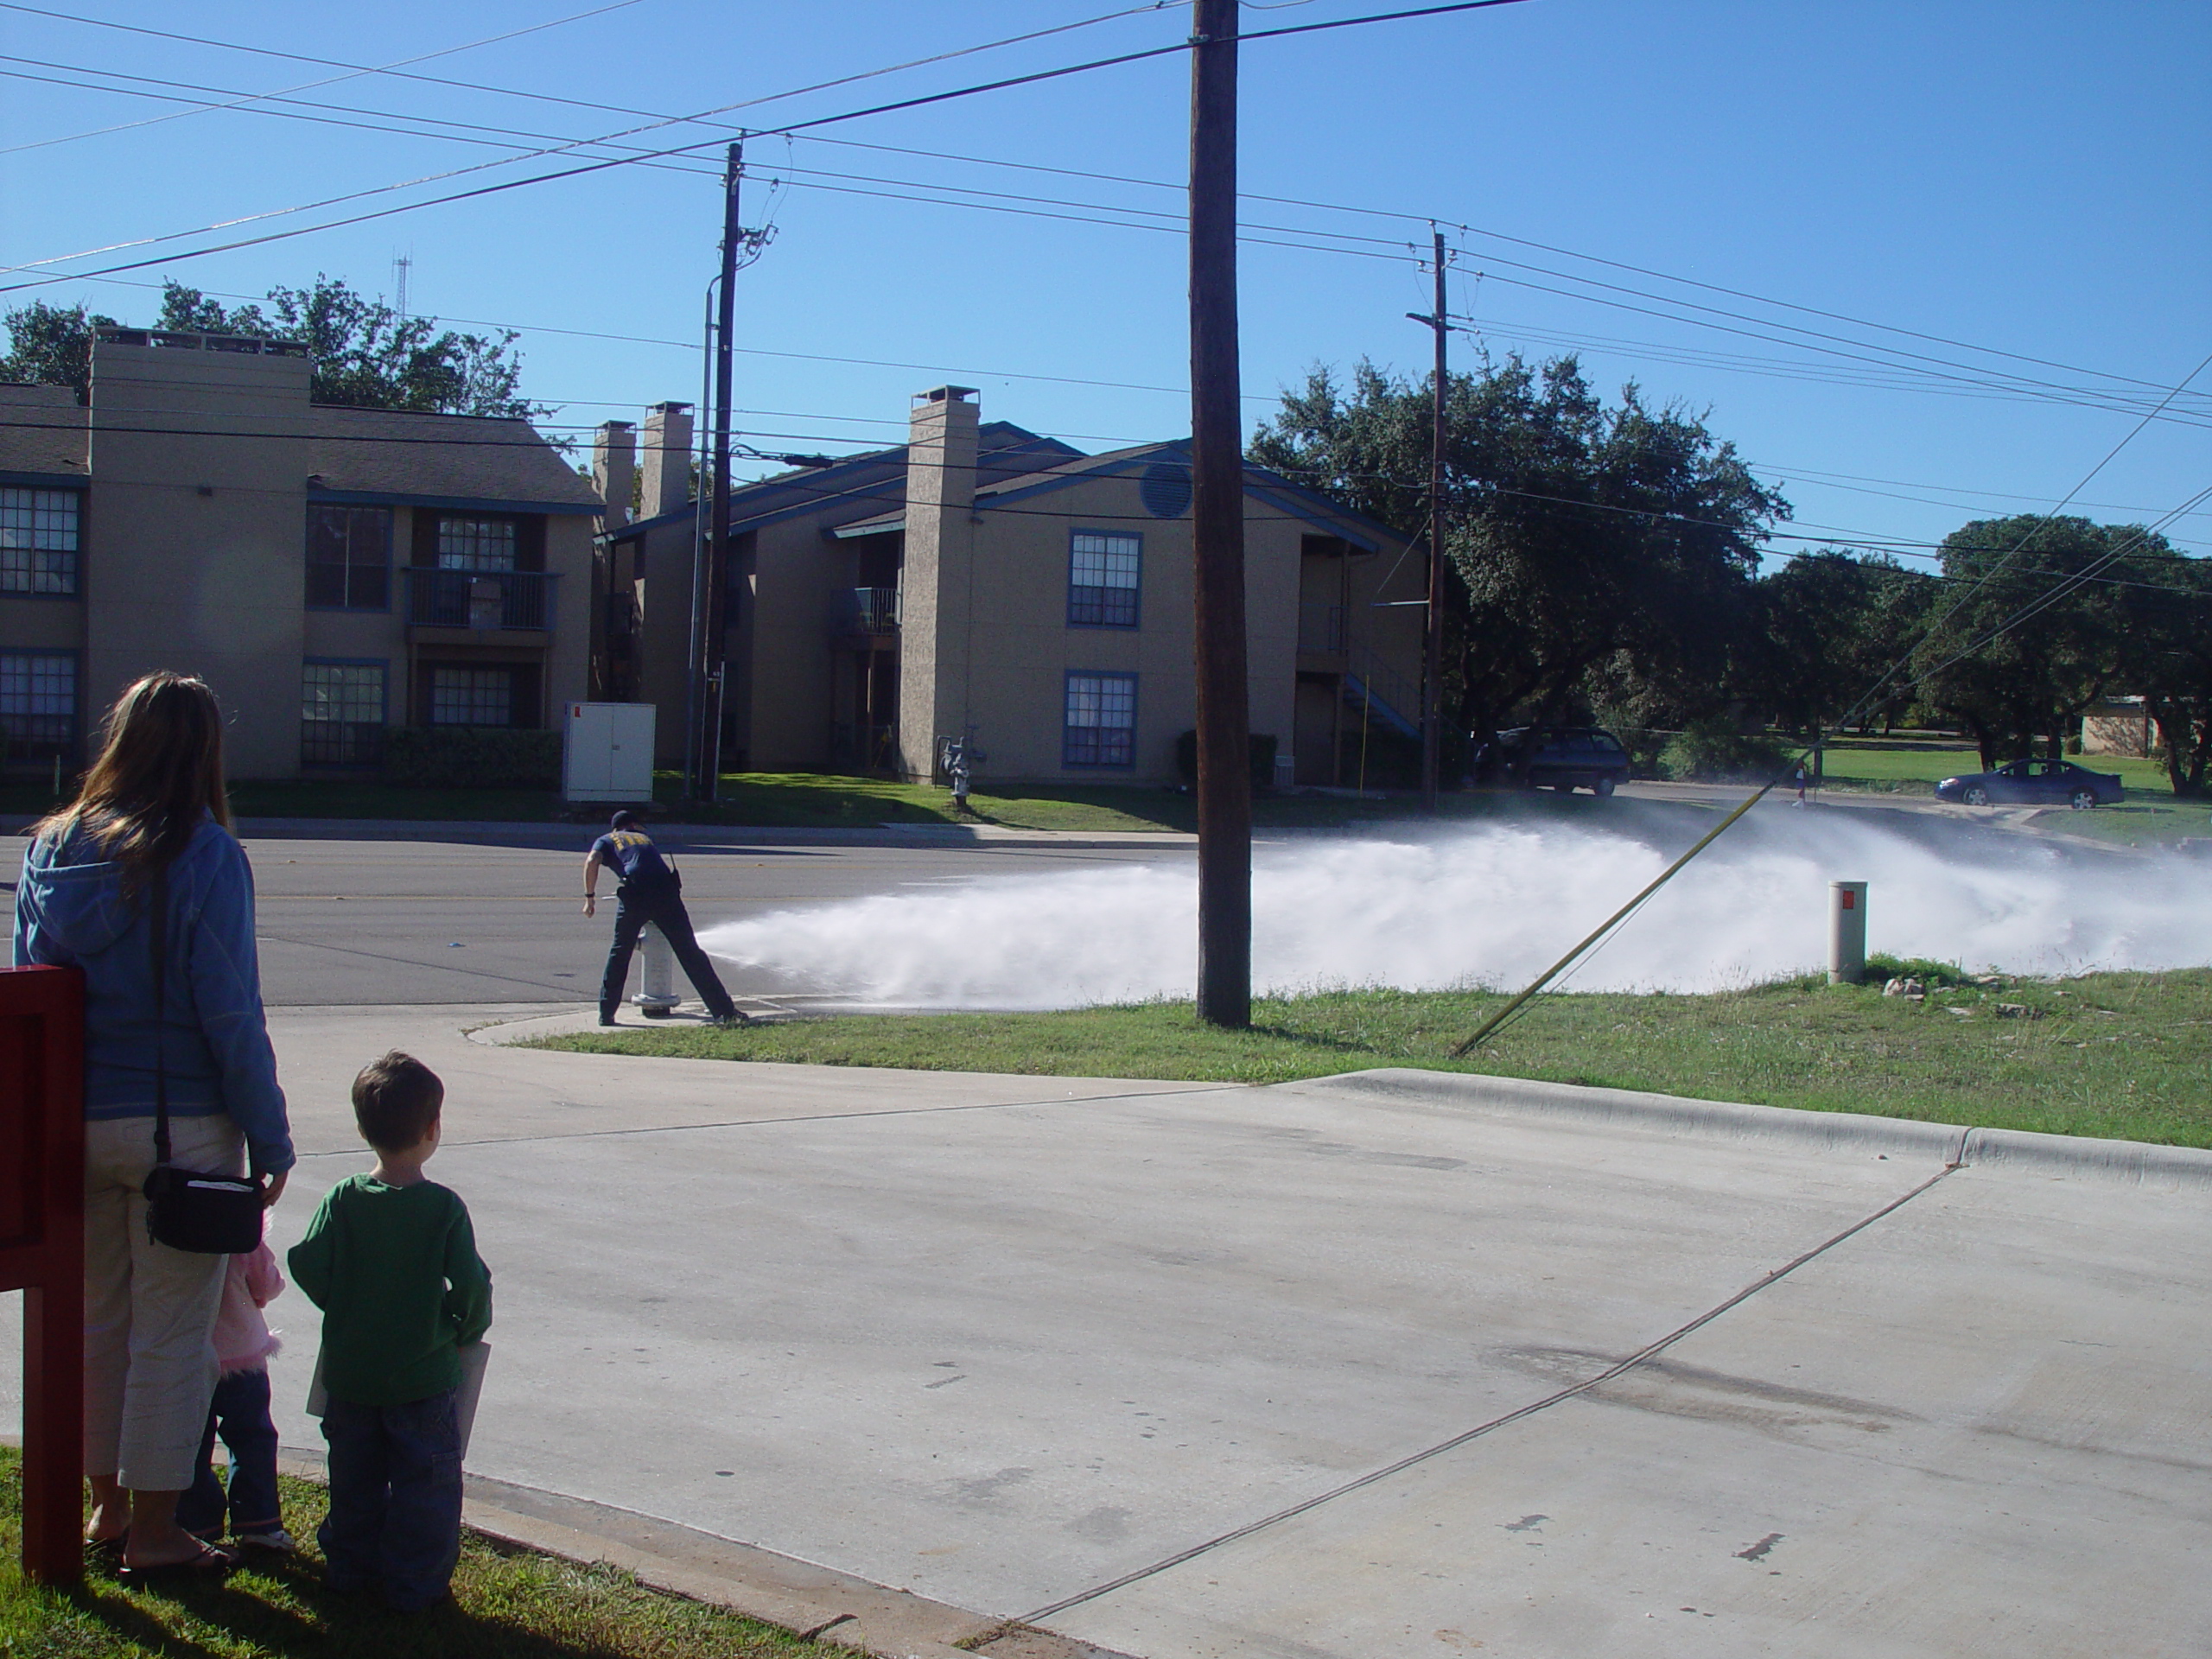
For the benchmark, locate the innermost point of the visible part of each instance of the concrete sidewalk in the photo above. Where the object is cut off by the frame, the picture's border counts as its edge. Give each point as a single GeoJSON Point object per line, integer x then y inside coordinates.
{"type": "Point", "coordinates": [1395, 1363]}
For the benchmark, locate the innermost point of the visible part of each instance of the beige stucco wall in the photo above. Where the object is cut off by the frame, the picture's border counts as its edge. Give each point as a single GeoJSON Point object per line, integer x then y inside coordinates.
{"type": "Point", "coordinates": [568, 661]}
{"type": "Point", "coordinates": [195, 560]}
{"type": "Point", "coordinates": [796, 574]}
{"type": "Point", "coordinates": [43, 623]}
{"type": "Point", "coordinates": [997, 666]}
{"type": "Point", "coordinates": [664, 590]}
{"type": "Point", "coordinates": [1024, 647]}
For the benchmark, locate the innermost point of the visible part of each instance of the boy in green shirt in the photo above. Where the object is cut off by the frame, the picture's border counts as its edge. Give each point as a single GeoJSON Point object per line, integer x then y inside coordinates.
{"type": "Point", "coordinates": [392, 1261]}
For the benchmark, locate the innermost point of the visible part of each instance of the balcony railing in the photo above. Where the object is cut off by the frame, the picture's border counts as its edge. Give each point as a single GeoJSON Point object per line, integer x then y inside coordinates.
{"type": "Point", "coordinates": [480, 599]}
{"type": "Point", "coordinates": [865, 610]}
{"type": "Point", "coordinates": [1321, 628]}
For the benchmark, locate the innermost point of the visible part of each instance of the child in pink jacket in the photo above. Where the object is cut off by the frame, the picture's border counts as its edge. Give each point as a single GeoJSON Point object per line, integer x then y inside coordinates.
{"type": "Point", "coordinates": [240, 1415]}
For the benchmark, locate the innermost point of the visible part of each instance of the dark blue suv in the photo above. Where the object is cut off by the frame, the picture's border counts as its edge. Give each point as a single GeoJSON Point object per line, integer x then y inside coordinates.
{"type": "Point", "coordinates": [1564, 758]}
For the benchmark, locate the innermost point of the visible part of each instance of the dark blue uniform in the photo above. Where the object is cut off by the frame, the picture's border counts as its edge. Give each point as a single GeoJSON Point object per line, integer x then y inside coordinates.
{"type": "Point", "coordinates": [650, 892]}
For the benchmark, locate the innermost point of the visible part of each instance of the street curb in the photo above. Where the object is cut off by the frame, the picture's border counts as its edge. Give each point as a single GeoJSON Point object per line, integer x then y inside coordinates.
{"type": "Point", "coordinates": [2058, 1157]}
{"type": "Point", "coordinates": [817, 1603]}
{"type": "Point", "coordinates": [565, 834]}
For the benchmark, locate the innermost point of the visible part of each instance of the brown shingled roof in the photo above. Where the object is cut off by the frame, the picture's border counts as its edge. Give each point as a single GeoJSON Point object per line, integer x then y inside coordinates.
{"type": "Point", "coordinates": [51, 435]}
{"type": "Point", "coordinates": [398, 452]}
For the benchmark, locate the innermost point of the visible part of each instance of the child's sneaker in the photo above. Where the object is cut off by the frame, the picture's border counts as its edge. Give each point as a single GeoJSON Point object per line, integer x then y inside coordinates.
{"type": "Point", "coordinates": [275, 1542]}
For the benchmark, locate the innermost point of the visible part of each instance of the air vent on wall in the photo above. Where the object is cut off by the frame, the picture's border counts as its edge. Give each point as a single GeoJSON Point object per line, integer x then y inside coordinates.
{"type": "Point", "coordinates": [1165, 489]}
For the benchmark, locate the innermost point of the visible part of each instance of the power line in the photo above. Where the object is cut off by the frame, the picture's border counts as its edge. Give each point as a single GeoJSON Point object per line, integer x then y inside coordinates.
{"type": "Point", "coordinates": [604, 139]}
{"type": "Point", "coordinates": [397, 71]}
{"type": "Point", "coordinates": [1980, 385]}
{"type": "Point", "coordinates": [923, 101]}
{"type": "Point", "coordinates": [354, 75]}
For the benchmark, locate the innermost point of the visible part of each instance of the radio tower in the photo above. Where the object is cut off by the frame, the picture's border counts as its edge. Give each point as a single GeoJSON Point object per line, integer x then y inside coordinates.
{"type": "Point", "coordinates": [401, 264]}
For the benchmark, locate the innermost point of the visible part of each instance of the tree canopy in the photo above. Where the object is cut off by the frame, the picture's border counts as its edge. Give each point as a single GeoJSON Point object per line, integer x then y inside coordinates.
{"type": "Point", "coordinates": [2030, 630]}
{"type": "Point", "coordinates": [2164, 602]}
{"type": "Point", "coordinates": [365, 354]}
{"type": "Point", "coordinates": [1589, 539]}
{"type": "Point", "coordinates": [1825, 630]}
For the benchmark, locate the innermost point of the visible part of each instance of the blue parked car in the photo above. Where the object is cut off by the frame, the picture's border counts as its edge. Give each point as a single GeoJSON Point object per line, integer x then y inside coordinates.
{"type": "Point", "coordinates": [2035, 783]}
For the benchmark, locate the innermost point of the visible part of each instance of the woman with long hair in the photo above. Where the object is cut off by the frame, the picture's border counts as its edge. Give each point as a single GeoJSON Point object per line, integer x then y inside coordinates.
{"type": "Point", "coordinates": [150, 820]}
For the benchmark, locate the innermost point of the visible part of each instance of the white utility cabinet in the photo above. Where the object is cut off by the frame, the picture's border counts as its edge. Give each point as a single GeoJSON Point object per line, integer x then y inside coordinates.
{"type": "Point", "coordinates": [608, 752]}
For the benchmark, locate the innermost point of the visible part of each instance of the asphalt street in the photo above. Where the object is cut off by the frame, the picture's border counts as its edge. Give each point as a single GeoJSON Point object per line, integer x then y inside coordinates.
{"type": "Point", "coordinates": [355, 923]}
{"type": "Point", "coordinates": [439, 915]}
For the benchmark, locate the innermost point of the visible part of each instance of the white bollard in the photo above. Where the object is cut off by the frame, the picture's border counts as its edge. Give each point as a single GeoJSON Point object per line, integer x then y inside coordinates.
{"type": "Point", "coordinates": [1846, 933]}
{"type": "Point", "coordinates": [656, 995]}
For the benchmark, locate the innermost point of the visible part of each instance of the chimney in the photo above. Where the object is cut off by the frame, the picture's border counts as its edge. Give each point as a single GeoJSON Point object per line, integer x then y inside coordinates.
{"type": "Point", "coordinates": [667, 460]}
{"type": "Point", "coordinates": [941, 450]}
{"type": "Point", "coordinates": [614, 468]}
{"type": "Point", "coordinates": [940, 544]}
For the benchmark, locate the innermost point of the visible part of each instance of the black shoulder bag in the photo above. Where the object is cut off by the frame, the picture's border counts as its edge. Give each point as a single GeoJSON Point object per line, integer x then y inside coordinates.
{"type": "Point", "coordinates": [206, 1212]}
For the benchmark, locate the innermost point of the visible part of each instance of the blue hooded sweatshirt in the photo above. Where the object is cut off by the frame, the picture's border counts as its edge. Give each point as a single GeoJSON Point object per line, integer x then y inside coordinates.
{"type": "Point", "coordinates": [214, 1044]}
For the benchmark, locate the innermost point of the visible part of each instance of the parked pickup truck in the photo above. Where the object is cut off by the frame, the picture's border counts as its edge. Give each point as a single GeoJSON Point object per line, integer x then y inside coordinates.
{"type": "Point", "coordinates": [1553, 757]}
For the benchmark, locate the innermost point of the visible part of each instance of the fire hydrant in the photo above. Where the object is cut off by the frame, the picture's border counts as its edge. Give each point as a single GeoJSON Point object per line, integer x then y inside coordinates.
{"type": "Point", "coordinates": [955, 762]}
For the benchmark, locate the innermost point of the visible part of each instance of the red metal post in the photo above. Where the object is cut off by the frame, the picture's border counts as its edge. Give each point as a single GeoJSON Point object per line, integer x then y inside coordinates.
{"type": "Point", "coordinates": [43, 1249]}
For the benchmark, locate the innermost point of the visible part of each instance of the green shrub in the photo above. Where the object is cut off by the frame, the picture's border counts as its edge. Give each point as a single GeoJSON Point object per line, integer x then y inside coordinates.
{"type": "Point", "coordinates": [471, 757]}
{"type": "Point", "coordinates": [1714, 754]}
{"type": "Point", "coordinates": [1882, 967]}
{"type": "Point", "coordinates": [1645, 744]}
{"type": "Point", "coordinates": [1263, 758]}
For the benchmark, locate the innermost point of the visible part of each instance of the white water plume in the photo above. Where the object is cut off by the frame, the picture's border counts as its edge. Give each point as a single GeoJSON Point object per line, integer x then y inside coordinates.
{"type": "Point", "coordinates": [1493, 906]}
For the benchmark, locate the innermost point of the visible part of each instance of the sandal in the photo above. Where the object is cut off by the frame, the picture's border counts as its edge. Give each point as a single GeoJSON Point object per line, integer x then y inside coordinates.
{"type": "Point", "coordinates": [209, 1563]}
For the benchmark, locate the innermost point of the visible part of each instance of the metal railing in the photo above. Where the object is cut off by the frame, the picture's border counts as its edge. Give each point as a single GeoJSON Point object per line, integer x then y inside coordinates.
{"type": "Point", "coordinates": [480, 599]}
{"type": "Point", "coordinates": [1375, 686]}
{"type": "Point", "coordinates": [865, 610]}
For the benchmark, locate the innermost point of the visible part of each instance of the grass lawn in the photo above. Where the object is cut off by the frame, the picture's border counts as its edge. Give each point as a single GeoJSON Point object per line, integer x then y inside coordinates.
{"type": "Point", "coordinates": [2121, 1055]}
{"type": "Point", "coordinates": [805, 800]}
{"type": "Point", "coordinates": [1879, 762]}
{"type": "Point", "coordinates": [507, 1604]}
{"type": "Point", "coordinates": [799, 800]}
{"type": "Point", "coordinates": [1906, 766]}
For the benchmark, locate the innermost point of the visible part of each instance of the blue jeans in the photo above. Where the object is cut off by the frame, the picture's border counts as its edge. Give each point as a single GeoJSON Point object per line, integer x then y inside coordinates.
{"type": "Point", "coordinates": [240, 1415]}
{"type": "Point", "coordinates": [664, 908]}
{"type": "Point", "coordinates": [395, 1498]}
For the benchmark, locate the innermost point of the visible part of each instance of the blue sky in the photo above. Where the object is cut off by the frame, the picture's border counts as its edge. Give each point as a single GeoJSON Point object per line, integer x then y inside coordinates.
{"type": "Point", "coordinates": [2028, 178]}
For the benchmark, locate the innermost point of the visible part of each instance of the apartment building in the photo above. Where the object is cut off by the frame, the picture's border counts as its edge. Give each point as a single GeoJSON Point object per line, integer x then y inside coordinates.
{"type": "Point", "coordinates": [332, 572]}
{"type": "Point", "coordinates": [986, 582]}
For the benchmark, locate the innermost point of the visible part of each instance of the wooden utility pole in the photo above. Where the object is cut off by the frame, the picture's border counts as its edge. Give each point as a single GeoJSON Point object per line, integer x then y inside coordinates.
{"type": "Point", "coordinates": [1431, 678]}
{"type": "Point", "coordinates": [714, 601]}
{"type": "Point", "coordinates": [1218, 529]}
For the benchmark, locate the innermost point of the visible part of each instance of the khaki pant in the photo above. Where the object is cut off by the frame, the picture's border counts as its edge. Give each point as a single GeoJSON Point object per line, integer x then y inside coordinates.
{"type": "Point", "coordinates": [150, 1311]}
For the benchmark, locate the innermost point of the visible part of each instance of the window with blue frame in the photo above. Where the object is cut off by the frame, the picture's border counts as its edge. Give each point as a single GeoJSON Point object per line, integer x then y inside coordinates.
{"type": "Point", "coordinates": [1101, 724]}
{"type": "Point", "coordinates": [473, 696]}
{"type": "Point", "coordinates": [38, 704]}
{"type": "Point", "coordinates": [1104, 566]}
{"type": "Point", "coordinates": [342, 706]}
{"type": "Point", "coordinates": [349, 557]}
{"type": "Point", "coordinates": [485, 545]}
{"type": "Point", "coordinates": [38, 540]}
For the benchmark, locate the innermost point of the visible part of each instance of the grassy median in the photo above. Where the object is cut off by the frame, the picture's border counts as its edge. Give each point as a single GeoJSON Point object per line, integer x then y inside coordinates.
{"type": "Point", "coordinates": [2121, 1055]}
{"type": "Point", "coordinates": [507, 1604]}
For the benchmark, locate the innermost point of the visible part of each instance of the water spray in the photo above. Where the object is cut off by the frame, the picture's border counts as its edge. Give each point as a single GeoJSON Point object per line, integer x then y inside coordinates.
{"type": "Point", "coordinates": [1612, 922]}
